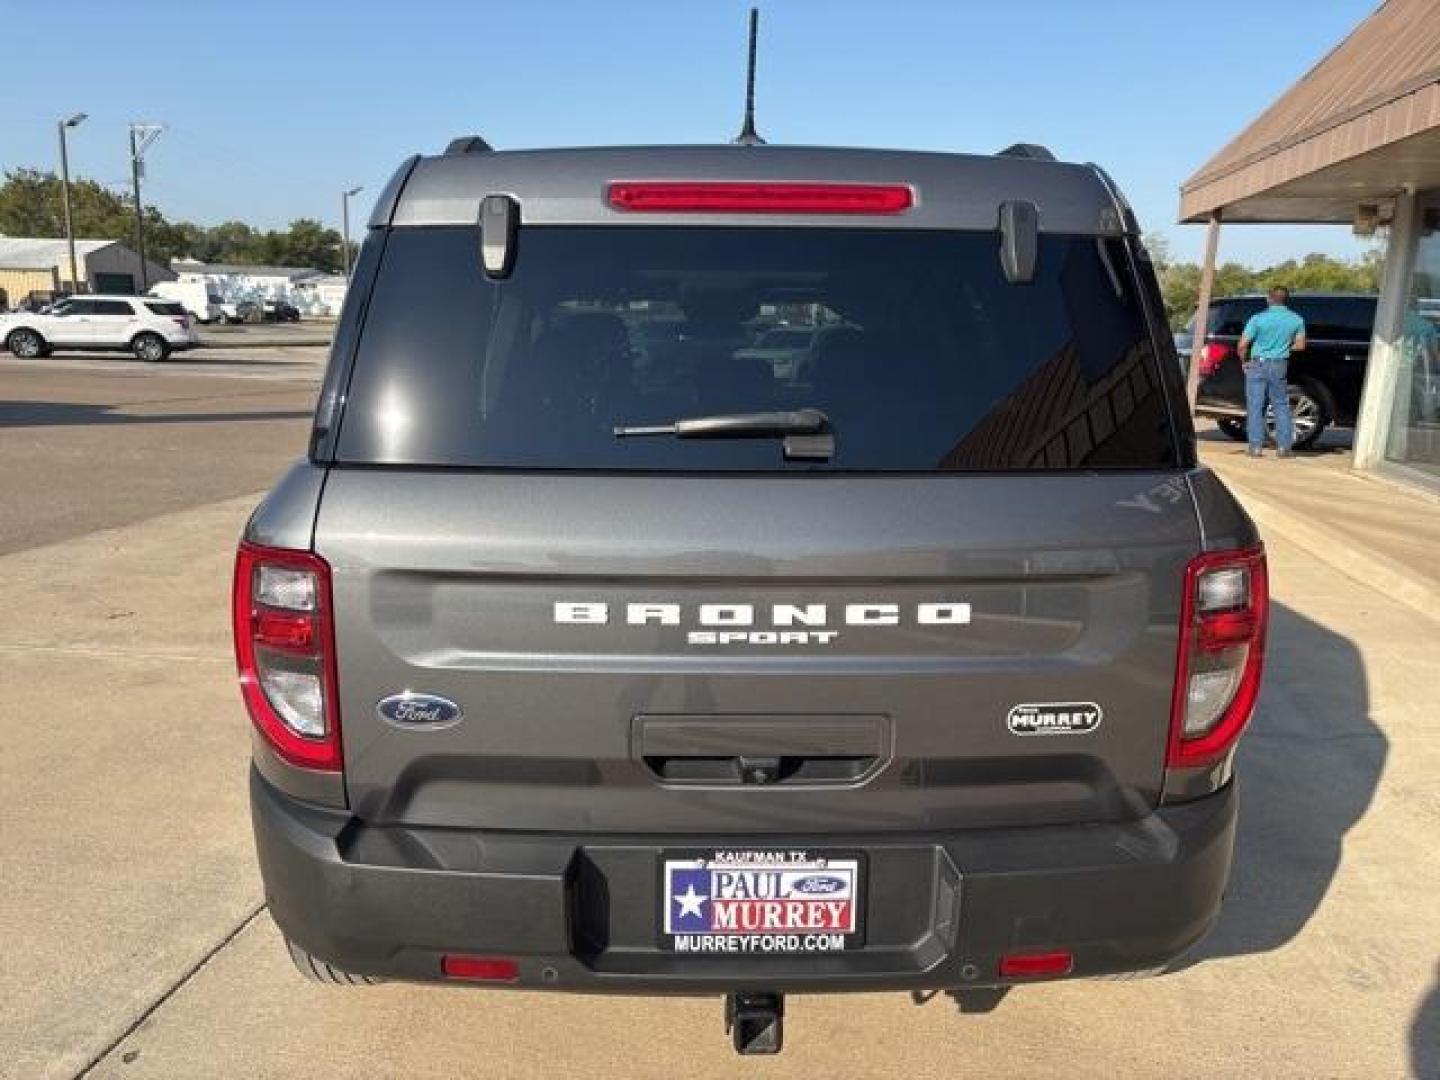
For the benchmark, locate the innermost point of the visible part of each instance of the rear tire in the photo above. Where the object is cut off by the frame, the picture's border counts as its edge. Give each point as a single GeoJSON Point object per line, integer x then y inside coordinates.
{"type": "Point", "coordinates": [1232, 428]}
{"type": "Point", "coordinates": [319, 971]}
{"type": "Point", "coordinates": [152, 348]}
{"type": "Point", "coordinates": [1308, 412]}
{"type": "Point", "coordinates": [27, 344]}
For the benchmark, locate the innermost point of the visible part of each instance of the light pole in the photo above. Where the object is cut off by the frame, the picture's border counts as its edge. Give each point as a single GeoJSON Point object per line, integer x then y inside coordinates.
{"type": "Point", "coordinates": [61, 126]}
{"type": "Point", "coordinates": [345, 197]}
{"type": "Point", "coordinates": [141, 137]}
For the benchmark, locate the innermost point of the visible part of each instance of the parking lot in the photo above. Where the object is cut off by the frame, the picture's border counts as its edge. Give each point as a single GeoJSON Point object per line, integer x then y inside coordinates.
{"type": "Point", "coordinates": [135, 935]}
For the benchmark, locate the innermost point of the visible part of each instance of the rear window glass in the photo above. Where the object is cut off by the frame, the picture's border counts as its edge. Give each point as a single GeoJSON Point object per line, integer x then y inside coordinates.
{"type": "Point", "coordinates": [113, 307]}
{"type": "Point", "coordinates": [1231, 316]}
{"type": "Point", "coordinates": [165, 307]}
{"type": "Point", "coordinates": [911, 343]}
{"type": "Point", "coordinates": [1336, 318]}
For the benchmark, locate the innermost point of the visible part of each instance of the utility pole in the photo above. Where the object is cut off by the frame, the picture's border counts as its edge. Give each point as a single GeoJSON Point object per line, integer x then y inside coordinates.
{"type": "Point", "coordinates": [345, 197]}
{"type": "Point", "coordinates": [142, 136]}
{"type": "Point", "coordinates": [61, 126]}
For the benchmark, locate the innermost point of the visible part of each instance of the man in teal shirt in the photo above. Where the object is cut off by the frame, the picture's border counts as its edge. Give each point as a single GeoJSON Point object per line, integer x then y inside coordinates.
{"type": "Point", "coordinates": [1265, 347]}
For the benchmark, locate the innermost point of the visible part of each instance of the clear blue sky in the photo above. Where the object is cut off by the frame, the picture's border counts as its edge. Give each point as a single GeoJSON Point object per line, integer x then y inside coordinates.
{"type": "Point", "coordinates": [272, 108]}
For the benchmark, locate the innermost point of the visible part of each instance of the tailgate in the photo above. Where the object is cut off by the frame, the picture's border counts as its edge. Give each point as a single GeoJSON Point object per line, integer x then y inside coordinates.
{"type": "Point", "coordinates": [755, 655]}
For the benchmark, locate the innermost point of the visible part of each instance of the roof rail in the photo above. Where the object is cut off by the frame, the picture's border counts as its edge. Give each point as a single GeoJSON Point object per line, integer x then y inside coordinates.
{"type": "Point", "coordinates": [467, 144]}
{"type": "Point", "coordinates": [1033, 151]}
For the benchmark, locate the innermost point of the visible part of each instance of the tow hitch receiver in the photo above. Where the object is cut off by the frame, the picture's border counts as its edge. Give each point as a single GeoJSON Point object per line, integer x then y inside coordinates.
{"type": "Point", "coordinates": [756, 1022]}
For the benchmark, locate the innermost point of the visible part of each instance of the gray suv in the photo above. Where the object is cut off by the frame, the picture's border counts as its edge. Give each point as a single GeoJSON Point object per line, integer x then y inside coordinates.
{"type": "Point", "coordinates": [586, 651]}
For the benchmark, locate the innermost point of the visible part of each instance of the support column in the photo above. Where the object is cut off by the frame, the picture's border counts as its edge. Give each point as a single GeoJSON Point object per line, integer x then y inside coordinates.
{"type": "Point", "coordinates": [1202, 308]}
{"type": "Point", "coordinates": [1372, 427]}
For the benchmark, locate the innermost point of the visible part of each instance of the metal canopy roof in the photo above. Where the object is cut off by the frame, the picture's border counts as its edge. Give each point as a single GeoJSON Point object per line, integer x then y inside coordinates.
{"type": "Point", "coordinates": [43, 253]}
{"type": "Point", "coordinates": [1358, 127]}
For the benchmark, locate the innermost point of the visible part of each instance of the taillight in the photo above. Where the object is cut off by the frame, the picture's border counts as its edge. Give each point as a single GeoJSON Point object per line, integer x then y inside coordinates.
{"type": "Point", "coordinates": [479, 968]}
{"type": "Point", "coordinates": [1222, 647]}
{"type": "Point", "coordinates": [698, 196]}
{"type": "Point", "coordinates": [285, 650]}
{"type": "Point", "coordinates": [1212, 355]}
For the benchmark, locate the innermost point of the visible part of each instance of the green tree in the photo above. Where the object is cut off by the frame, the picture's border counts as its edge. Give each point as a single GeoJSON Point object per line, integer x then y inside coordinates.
{"type": "Point", "coordinates": [30, 205]}
{"type": "Point", "coordinates": [308, 243]}
{"type": "Point", "coordinates": [1159, 249]}
{"type": "Point", "coordinates": [1180, 286]}
{"type": "Point", "coordinates": [228, 242]}
{"type": "Point", "coordinates": [1180, 282]}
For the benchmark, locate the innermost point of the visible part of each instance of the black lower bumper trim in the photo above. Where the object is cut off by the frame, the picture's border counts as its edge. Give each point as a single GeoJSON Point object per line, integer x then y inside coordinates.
{"type": "Point", "coordinates": [578, 912]}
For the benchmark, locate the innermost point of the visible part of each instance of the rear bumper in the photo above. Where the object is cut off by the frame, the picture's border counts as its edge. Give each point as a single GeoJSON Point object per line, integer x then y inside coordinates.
{"type": "Point", "coordinates": [579, 912]}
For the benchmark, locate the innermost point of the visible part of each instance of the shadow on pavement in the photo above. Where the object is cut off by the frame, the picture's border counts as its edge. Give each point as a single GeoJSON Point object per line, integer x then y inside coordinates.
{"type": "Point", "coordinates": [1331, 441]}
{"type": "Point", "coordinates": [211, 357]}
{"type": "Point", "coordinates": [1425, 1036]}
{"type": "Point", "coordinates": [248, 361]}
{"type": "Point", "coordinates": [1308, 769]}
{"type": "Point", "coordinates": [78, 414]}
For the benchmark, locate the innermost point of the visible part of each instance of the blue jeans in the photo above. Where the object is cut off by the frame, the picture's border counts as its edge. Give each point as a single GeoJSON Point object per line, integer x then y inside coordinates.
{"type": "Point", "coordinates": [1266, 378]}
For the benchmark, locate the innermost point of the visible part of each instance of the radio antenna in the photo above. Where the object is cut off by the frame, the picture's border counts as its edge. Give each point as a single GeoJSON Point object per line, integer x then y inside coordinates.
{"type": "Point", "coordinates": [748, 135]}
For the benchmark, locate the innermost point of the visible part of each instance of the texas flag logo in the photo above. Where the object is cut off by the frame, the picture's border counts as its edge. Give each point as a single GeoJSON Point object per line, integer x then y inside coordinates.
{"type": "Point", "coordinates": [707, 897]}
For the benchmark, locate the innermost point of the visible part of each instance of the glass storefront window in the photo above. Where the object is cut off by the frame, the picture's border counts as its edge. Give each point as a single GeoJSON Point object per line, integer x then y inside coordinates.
{"type": "Point", "coordinates": [1414, 435]}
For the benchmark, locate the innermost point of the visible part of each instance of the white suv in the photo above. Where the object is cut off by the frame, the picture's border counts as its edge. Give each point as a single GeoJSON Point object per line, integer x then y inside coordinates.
{"type": "Point", "coordinates": [150, 328]}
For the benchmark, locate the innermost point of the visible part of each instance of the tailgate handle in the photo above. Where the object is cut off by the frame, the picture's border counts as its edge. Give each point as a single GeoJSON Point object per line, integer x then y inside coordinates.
{"type": "Point", "coordinates": [755, 750]}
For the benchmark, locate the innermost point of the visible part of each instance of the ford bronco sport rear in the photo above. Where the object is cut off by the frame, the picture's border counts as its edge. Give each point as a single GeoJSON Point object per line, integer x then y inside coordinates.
{"type": "Point", "coordinates": [591, 650]}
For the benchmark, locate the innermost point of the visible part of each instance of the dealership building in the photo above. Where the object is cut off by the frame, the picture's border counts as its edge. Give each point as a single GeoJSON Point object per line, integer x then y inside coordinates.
{"type": "Point", "coordinates": [1357, 141]}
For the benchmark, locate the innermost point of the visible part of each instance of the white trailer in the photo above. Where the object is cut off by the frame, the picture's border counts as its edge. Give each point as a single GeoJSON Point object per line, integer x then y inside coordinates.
{"type": "Point", "coordinates": [199, 297]}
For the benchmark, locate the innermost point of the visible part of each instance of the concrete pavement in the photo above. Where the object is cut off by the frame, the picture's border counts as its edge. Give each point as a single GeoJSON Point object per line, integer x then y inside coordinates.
{"type": "Point", "coordinates": [135, 946]}
{"type": "Point", "coordinates": [123, 827]}
{"type": "Point", "coordinates": [91, 443]}
{"type": "Point", "coordinates": [267, 335]}
{"type": "Point", "coordinates": [249, 361]}
{"type": "Point", "coordinates": [1383, 534]}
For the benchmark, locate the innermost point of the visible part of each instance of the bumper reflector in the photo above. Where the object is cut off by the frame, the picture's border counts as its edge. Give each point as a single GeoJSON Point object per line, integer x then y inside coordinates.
{"type": "Point", "coordinates": [479, 968]}
{"type": "Point", "coordinates": [1036, 964]}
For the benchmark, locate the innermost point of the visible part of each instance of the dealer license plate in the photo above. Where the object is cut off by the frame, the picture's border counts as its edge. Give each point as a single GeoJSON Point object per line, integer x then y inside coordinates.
{"type": "Point", "coordinates": [729, 903]}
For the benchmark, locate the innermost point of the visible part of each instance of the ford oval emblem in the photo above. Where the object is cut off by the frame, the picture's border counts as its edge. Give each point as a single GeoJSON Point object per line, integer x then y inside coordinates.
{"type": "Point", "coordinates": [411, 710]}
{"type": "Point", "coordinates": [818, 885]}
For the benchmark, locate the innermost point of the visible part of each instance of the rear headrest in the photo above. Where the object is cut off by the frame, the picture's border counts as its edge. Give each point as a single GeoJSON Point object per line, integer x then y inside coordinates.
{"type": "Point", "coordinates": [575, 359]}
{"type": "Point", "coordinates": [581, 339]}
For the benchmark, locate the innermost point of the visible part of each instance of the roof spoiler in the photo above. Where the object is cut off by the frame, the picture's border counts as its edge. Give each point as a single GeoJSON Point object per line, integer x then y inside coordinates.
{"type": "Point", "coordinates": [467, 144]}
{"type": "Point", "coordinates": [1033, 151]}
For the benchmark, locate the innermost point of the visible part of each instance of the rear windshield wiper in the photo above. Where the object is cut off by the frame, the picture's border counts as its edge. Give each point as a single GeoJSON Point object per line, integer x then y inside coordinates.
{"type": "Point", "coordinates": [753, 425]}
{"type": "Point", "coordinates": [806, 431]}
